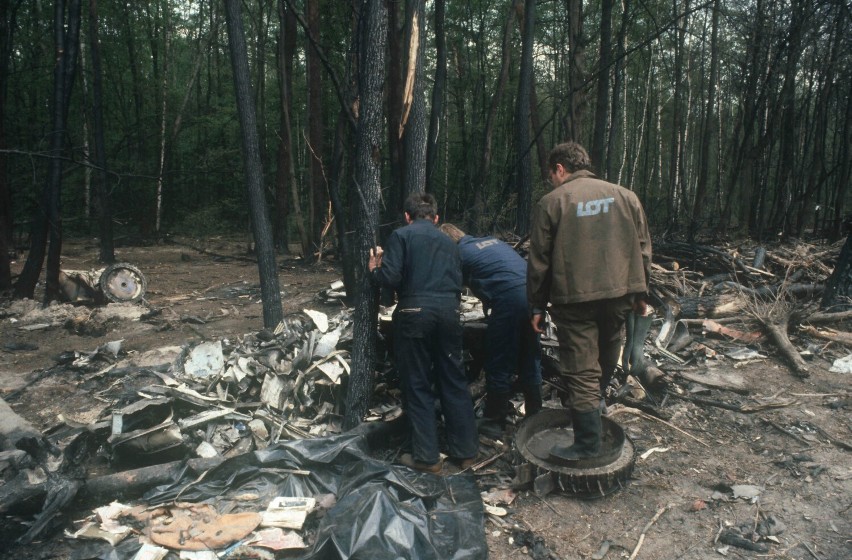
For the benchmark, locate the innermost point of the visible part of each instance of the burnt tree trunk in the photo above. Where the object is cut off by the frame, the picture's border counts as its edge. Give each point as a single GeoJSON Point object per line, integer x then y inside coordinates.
{"type": "Point", "coordinates": [8, 12]}
{"type": "Point", "coordinates": [284, 158]}
{"type": "Point", "coordinates": [437, 94]}
{"type": "Point", "coordinates": [46, 219]}
{"type": "Point", "coordinates": [414, 126]}
{"type": "Point", "coordinates": [269, 288]}
{"type": "Point", "coordinates": [372, 32]}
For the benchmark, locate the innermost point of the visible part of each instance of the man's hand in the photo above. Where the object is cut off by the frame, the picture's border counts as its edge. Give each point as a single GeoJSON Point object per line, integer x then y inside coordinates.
{"type": "Point", "coordinates": [537, 322]}
{"type": "Point", "coordinates": [375, 258]}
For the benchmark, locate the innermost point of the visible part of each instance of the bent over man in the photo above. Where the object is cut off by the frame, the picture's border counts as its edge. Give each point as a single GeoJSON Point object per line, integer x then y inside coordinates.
{"type": "Point", "coordinates": [497, 275]}
{"type": "Point", "coordinates": [422, 265]}
{"type": "Point", "coordinates": [590, 257]}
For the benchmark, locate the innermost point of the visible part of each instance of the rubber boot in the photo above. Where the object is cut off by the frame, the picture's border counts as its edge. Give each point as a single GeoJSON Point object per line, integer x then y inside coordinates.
{"type": "Point", "coordinates": [494, 417]}
{"type": "Point", "coordinates": [587, 438]}
{"type": "Point", "coordinates": [532, 399]}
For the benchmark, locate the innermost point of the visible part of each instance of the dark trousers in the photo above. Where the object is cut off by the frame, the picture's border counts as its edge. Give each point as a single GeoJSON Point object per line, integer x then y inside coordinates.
{"type": "Point", "coordinates": [589, 336]}
{"type": "Point", "coordinates": [428, 352]}
{"type": "Point", "coordinates": [511, 345]}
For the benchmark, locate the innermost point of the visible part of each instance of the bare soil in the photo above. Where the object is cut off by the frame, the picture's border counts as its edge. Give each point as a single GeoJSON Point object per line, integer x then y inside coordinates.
{"type": "Point", "coordinates": [788, 443]}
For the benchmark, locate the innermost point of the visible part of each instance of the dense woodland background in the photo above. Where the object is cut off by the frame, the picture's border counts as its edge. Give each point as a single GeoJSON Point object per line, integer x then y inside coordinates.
{"type": "Point", "coordinates": [130, 119]}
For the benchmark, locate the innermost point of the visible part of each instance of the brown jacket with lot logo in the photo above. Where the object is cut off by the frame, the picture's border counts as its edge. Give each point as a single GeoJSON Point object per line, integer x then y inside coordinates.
{"type": "Point", "coordinates": [589, 241]}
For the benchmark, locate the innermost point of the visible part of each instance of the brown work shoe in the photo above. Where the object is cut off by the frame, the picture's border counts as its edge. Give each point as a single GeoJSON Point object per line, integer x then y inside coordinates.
{"type": "Point", "coordinates": [407, 460]}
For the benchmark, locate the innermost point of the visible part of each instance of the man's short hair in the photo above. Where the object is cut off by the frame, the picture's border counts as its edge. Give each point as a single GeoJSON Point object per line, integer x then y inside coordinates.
{"type": "Point", "coordinates": [452, 231]}
{"type": "Point", "coordinates": [571, 155]}
{"type": "Point", "coordinates": [421, 206]}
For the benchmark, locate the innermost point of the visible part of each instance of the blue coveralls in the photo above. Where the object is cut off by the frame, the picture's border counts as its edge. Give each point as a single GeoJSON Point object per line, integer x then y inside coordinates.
{"type": "Point", "coordinates": [422, 265]}
{"type": "Point", "coordinates": [497, 275]}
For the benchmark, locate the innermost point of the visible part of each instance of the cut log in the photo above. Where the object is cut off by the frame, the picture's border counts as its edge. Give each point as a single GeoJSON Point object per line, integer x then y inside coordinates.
{"type": "Point", "coordinates": [777, 331]}
{"type": "Point", "coordinates": [713, 306]}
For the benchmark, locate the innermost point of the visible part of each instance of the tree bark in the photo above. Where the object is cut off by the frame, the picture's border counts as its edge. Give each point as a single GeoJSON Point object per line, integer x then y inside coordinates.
{"type": "Point", "coordinates": [316, 123]}
{"type": "Point", "coordinates": [598, 152]}
{"type": "Point", "coordinates": [838, 288]}
{"type": "Point", "coordinates": [372, 33]}
{"type": "Point", "coordinates": [269, 286]}
{"type": "Point", "coordinates": [284, 169]}
{"type": "Point", "coordinates": [413, 128]}
{"type": "Point", "coordinates": [437, 95]}
{"type": "Point", "coordinates": [47, 217]}
{"type": "Point", "coordinates": [704, 162]}
{"type": "Point", "coordinates": [8, 23]}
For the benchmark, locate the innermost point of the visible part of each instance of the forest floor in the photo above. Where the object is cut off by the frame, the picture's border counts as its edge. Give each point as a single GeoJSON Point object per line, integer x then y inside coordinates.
{"type": "Point", "coordinates": [780, 462]}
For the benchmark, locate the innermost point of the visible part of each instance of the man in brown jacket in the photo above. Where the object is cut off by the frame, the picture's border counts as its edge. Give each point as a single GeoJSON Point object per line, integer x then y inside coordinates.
{"type": "Point", "coordinates": [590, 258]}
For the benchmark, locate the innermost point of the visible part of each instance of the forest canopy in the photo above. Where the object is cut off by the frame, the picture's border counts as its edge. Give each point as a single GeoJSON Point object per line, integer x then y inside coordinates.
{"type": "Point", "coordinates": [728, 118]}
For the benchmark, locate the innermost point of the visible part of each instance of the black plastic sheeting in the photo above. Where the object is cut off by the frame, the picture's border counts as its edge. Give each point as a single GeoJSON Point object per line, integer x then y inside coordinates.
{"type": "Point", "coordinates": [383, 511]}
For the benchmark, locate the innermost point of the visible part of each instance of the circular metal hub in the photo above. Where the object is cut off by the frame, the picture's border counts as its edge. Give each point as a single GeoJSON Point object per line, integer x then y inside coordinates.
{"type": "Point", "coordinates": [123, 283]}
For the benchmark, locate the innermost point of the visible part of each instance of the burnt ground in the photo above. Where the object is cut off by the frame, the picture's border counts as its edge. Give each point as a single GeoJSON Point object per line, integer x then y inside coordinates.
{"type": "Point", "coordinates": [786, 447]}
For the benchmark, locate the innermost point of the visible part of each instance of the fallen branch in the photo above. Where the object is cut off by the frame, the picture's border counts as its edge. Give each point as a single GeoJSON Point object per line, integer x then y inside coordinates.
{"type": "Point", "coordinates": [824, 318]}
{"type": "Point", "coordinates": [654, 519]}
{"type": "Point", "coordinates": [641, 414]}
{"type": "Point", "coordinates": [839, 337]}
{"type": "Point", "coordinates": [777, 331]}
{"type": "Point", "coordinates": [830, 438]}
{"type": "Point", "coordinates": [743, 408]}
{"type": "Point", "coordinates": [786, 432]}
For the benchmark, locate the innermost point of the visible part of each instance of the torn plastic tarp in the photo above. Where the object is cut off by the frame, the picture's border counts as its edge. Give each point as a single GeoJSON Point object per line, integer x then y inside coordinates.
{"type": "Point", "coordinates": [382, 510]}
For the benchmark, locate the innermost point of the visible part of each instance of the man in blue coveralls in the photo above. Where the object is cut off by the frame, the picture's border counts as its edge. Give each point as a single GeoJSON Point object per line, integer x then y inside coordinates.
{"type": "Point", "coordinates": [423, 267]}
{"type": "Point", "coordinates": [497, 275]}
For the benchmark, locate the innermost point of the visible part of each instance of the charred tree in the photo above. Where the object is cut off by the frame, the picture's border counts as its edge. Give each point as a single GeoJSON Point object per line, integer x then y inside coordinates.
{"type": "Point", "coordinates": [393, 103]}
{"type": "Point", "coordinates": [8, 16]}
{"type": "Point", "coordinates": [47, 217]}
{"type": "Point", "coordinates": [269, 288]}
{"type": "Point", "coordinates": [372, 34]}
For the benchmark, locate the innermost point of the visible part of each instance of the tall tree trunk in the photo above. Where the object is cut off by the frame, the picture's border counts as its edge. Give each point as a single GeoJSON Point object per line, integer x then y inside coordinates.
{"type": "Point", "coordinates": [576, 71]}
{"type": "Point", "coordinates": [316, 124]}
{"type": "Point", "coordinates": [137, 145]}
{"type": "Point", "coordinates": [676, 158]}
{"type": "Point", "coordinates": [616, 131]}
{"type": "Point", "coordinates": [372, 33]}
{"type": "Point", "coordinates": [8, 22]}
{"type": "Point", "coordinates": [107, 249]}
{"type": "Point", "coordinates": [708, 126]}
{"type": "Point", "coordinates": [47, 217]}
{"type": "Point", "coordinates": [437, 94]}
{"type": "Point", "coordinates": [286, 50]}
{"type": "Point", "coordinates": [522, 122]}
{"type": "Point", "coordinates": [598, 152]}
{"type": "Point", "coordinates": [396, 188]}
{"type": "Point", "coordinates": [481, 179]}
{"type": "Point", "coordinates": [163, 115]}
{"type": "Point", "coordinates": [413, 128]}
{"type": "Point", "coordinates": [269, 287]}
